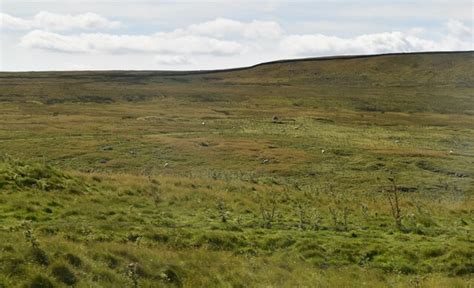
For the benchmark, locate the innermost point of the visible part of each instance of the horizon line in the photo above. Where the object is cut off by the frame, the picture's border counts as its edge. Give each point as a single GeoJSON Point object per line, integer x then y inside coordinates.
{"type": "Point", "coordinates": [224, 70]}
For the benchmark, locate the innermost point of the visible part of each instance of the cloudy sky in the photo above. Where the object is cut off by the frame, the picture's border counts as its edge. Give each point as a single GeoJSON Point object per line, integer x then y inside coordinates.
{"type": "Point", "coordinates": [194, 34]}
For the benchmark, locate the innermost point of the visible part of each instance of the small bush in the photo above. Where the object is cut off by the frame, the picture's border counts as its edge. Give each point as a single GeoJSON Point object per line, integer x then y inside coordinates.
{"type": "Point", "coordinates": [64, 274]}
{"type": "Point", "coordinates": [426, 221]}
{"type": "Point", "coordinates": [103, 276]}
{"type": "Point", "coordinates": [12, 266]}
{"type": "Point", "coordinates": [219, 241]}
{"type": "Point", "coordinates": [406, 269]}
{"type": "Point", "coordinates": [159, 237]}
{"type": "Point", "coordinates": [369, 256]}
{"type": "Point", "coordinates": [23, 175]}
{"type": "Point", "coordinates": [433, 252]}
{"type": "Point", "coordinates": [276, 243]}
{"type": "Point", "coordinates": [111, 261]}
{"type": "Point", "coordinates": [40, 282]}
{"type": "Point", "coordinates": [39, 256]}
{"type": "Point", "coordinates": [171, 275]}
{"type": "Point", "coordinates": [73, 260]}
{"type": "Point", "coordinates": [463, 269]}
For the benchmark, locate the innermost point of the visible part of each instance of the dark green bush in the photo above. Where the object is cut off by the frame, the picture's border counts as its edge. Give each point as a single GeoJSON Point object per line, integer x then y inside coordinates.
{"type": "Point", "coordinates": [40, 281]}
{"type": "Point", "coordinates": [73, 260]}
{"type": "Point", "coordinates": [39, 256]}
{"type": "Point", "coordinates": [64, 274]}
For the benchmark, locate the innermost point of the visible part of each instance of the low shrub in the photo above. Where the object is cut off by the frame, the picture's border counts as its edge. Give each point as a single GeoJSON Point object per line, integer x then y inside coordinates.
{"type": "Point", "coordinates": [40, 281]}
{"type": "Point", "coordinates": [64, 274]}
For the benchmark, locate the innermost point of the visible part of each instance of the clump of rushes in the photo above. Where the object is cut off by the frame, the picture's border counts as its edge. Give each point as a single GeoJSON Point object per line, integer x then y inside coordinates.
{"type": "Point", "coordinates": [64, 274]}
{"type": "Point", "coordinates": [29, 234]}
{"type": "Point", "coordinates": [268, 207]}
{"type": "Point", "coordinates": [132, 274]}
{"type": "Point", "coordinates": [392, 193]}
{"type": "Point", "coordinates": [365, 210]}
{"type": "Point", "coordinates": [223, 213]}
{"type": "Point", "coordinates": [37, 253]}
{"type": "Point", "coordinates": [302, 216]}
{"type": "Point", "coordinates": [340, 212]}
{"type": "Point", "coordinates": [307, 217]}
{"type": "Point", "coordinates": [156, 192]}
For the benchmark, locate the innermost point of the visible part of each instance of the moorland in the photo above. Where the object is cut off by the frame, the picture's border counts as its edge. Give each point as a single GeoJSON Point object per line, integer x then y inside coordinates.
{"type": "Point", "coordinates": [330, 172]}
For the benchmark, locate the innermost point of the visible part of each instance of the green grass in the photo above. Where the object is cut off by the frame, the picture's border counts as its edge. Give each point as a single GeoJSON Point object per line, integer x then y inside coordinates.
{"type": "Point", "coordinates": [113, 176]}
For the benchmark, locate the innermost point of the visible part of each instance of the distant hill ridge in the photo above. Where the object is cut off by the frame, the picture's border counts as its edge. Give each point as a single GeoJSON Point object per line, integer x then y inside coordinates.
{"type": "Point", "coordinates": [412, 82]}
{"type": "Point", "coordinates": [469, 54]}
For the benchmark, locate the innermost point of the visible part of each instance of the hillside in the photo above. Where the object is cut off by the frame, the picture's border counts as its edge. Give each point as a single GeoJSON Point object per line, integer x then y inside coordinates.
{"type": "Point", "coordinates": [398, 83]}
{"type": "Point", "coordinates": [278, 175]}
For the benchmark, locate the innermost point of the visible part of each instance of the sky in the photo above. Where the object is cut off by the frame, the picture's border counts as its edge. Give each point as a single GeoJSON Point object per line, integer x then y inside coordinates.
{"type": "Point", "coordinates": [40, 35]}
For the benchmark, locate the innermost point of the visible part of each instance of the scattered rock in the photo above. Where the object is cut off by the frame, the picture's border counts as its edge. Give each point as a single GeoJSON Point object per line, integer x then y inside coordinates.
{"type": "Point", "coordinates": [107, 148]}
{"type": "Point", "coordinates": [148, 118]}
{"type": "Point", "coordinates": [458, 174]}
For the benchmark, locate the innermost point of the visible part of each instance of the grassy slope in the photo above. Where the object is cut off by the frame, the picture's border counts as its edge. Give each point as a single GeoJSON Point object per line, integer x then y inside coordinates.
{"type": "Point", "coordinates": [113, 132]}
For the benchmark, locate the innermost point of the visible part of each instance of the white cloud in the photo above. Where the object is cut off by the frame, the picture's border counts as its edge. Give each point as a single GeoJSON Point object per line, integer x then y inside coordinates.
{"type": "Point", "coordinates": [163, 43]}
{"type": "Point", "coordinates": [222, 27]}
{"type": "Point", "coordinates": [415, 31]}
{"type": "Point", "coordinates": [194, 39]}
{"type": "Point", "coordinates": [172, 60]}
{"type": "Point", "coordinates": [319, 44]}
{"type": "Point", "coordinates": [10, 22]}
{"type": "Point", "coordinates": [404, 10]}
{"type": "Point", "coordinates": [458, 29]}
{"type": "Point", "coordinates": [256, 37]}
{"type": "Point", "coordinates": [194, 46]}
{"type": "Point", "coordinates": [457, 38]}
{"type": "Point", "coordinates": [82, 67]}
{"type": "Point", "coordinates": [53, 21]}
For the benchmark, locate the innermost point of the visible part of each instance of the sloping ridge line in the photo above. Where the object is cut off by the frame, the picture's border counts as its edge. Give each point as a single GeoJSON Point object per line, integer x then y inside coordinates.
{"type": "Point", "coordinates": [325, 58]}
{"type": "Point", "coordinates": [165, 73]}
